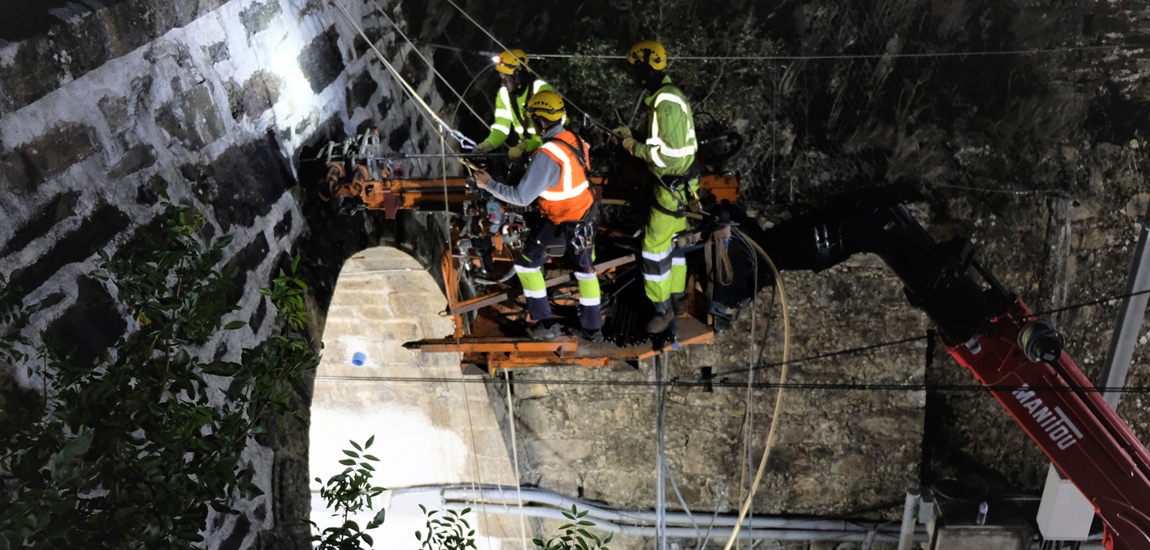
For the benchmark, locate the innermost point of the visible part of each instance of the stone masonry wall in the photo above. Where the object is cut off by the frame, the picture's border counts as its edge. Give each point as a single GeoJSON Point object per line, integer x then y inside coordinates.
{"type": "Point", "coordinates": [104, 104]}
{"type": "Point", "coordinates": [1055, 220]}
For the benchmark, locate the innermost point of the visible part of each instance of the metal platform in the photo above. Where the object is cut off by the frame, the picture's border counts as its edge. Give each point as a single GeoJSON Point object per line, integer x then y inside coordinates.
{"type": "Point", "coordinates": [495, 352]}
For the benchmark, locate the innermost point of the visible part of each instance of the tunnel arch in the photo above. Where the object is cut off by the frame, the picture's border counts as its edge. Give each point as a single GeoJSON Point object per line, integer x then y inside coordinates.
{"type": "Point", "coordinates": [433, 433]}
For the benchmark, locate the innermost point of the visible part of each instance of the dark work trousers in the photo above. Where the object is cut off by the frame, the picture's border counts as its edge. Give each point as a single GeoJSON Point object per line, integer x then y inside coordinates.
{"type": "Point", "coordinates": [547, 241]}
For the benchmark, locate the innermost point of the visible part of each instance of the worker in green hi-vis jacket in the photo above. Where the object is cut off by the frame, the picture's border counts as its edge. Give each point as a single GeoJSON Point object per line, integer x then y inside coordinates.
{"type": "Point", "coordinates": [518, 85]}
{"type": "Point", "coordinates": [669, 152]}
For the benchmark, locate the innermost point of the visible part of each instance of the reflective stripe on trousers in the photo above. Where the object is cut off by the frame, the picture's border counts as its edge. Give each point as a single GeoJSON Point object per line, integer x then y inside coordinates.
{"type": "Point", "coordinates": [664, 270]}
{"type": "Point", "coordinates": [529, 268]}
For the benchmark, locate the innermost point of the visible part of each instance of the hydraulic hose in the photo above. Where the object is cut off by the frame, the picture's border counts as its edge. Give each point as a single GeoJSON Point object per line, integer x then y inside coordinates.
{"type": "Point", "coordinates": [782, 382]}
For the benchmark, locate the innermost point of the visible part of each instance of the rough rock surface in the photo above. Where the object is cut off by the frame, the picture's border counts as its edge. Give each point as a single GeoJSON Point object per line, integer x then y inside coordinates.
{"type": "Point", "coordinates": [1036, 158]}
{"type": "Point", "coordinates": [103, 104]}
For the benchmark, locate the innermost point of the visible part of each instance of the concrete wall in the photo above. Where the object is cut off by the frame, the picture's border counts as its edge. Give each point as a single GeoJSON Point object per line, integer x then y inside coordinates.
{"type": "Point", "coordinates": [438, 433]}
{"type": "Point", "coordinates": [103, 104]}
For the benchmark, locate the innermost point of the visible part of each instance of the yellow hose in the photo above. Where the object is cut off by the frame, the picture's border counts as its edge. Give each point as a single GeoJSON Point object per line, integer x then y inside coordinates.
{"type": "Point", "coordinates": [782, 380]}
{"type": "Point", "coordinates": [782, 373]}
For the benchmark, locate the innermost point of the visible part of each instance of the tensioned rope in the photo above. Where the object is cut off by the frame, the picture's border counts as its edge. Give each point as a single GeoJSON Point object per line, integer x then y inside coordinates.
{"type": "Point", "coordinates": [429, 64]}
{"type": "Point", "coordinates": [1036, 51]}
{"type": "Point", "coordinates": [515, 457]}
{"type": "Point", "coordinates": [566, 99]}
{"type": "Point", "coordinates": [466, 396]}
{"type": "Point", "coordinates": [428, 113]}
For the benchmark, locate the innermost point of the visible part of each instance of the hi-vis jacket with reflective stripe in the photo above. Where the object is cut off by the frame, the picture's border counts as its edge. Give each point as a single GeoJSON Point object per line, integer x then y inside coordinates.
{"type": "Point", "coordinates": [507, 117]}
{"type": "Point", "coordinates": [671, 147]}
{"type": "Point", "coordinates": [570, 197]}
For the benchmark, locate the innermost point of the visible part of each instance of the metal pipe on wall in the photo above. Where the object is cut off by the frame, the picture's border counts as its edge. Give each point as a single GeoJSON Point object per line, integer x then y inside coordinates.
{"type": "Point", "coordinates": [531, 494]}
{"type": "Point", "coordinates": [1130, 316]}
{"type": "Point", "coordinates": [691, 532]}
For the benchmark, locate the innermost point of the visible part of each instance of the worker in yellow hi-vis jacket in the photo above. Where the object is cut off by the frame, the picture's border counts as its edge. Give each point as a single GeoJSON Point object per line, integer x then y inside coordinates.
{"type": "Point", "coordinates": [519, 84]}
{"type": "Point", "coordinates": [669, 152]}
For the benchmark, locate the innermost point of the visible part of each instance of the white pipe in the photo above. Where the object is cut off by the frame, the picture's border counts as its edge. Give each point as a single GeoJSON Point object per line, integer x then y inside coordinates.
{"type": "Point", "coordinates": [909, 519]}
{"type": "Point", "coordinates": [560, 501]}
{"type": "Point", "coordinates": [690, 532]}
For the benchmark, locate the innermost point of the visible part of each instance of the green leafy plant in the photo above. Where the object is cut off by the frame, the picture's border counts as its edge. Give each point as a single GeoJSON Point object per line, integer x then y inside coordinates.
{"type": "Point", "coordinates": [348, 493]}
{"type": "Point", "coordinates": [132, 447]}
{"type": "Point", "coordinates": [573, 536]}
{"type": "Point", "coordinates": [447, 532]}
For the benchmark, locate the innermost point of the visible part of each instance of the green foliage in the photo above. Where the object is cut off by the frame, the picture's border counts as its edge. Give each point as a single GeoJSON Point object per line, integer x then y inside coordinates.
{"type": "Point", "coordinates": [14, 319]}
{"type": "Point", "coordinates": [132, 448]}
{"type": "Point", "coordinates": [347, 493]}
{"type": "Point", "coordinates": [604, 86]}
{"type": "Point", "coordinates": [574, 535]}
{"type": "Point", "coordinates": [447, 532]}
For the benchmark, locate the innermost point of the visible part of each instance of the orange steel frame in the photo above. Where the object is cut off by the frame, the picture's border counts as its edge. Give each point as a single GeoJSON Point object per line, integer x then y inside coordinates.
{"type": "Point", "coordinates": [489, 351]}
{"type": "Point", "coordinates": [391, 195]}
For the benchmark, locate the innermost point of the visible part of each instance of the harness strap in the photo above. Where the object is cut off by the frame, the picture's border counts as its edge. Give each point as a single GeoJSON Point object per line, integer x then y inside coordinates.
{"type": "Point", "coordinates": [718, 261]}
{"type": "Point", "coordinates": [673, 213]}
{"type": "Point", "coordinates": [578, 152]}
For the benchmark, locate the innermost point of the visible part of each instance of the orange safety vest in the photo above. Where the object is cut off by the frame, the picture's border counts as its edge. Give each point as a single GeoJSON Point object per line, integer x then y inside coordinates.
{"type": "Point", "coordinates": [569, 199]}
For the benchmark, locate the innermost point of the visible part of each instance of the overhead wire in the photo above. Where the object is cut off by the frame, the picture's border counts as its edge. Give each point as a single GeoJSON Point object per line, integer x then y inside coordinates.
{"type": "Point", "coordinates": [428, 113]}
{"type": "Point", "coordinates": [429, 63]}
{"type": "Point", "coordinates": [566, 99]}
{"type": "Point", "coordinates": [704, 383]}
{"type": "Point", "coordinates": [1036, 51]}
{"type": "Point", "coordinates": [474, 79]}
{"type": "Point", "coordinates": [716, 380]}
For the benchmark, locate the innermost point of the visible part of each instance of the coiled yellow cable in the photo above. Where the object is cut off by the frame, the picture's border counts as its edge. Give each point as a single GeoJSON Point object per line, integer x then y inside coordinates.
{"type": "Point", "coordinates": [782, 381]}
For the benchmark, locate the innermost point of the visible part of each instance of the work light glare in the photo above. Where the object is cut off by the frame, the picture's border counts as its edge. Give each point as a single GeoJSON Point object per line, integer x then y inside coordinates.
{"type": "Point", "coordinates": [495, 59]}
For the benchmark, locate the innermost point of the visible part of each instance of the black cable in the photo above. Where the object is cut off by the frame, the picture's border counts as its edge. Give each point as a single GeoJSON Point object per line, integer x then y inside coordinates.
{"type": "Point", "coordinates": [693, 383]}
{"type": "Point", "coordinates": [797, 385]}
{"type": "Point", "coordinates": [1092, 303]}
{"type": "Point", "coordinates": [850, 351]}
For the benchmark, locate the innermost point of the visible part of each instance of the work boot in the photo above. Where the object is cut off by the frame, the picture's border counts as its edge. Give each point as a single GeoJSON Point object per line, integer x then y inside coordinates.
{"type": "Point", "coordinates": [585, 334]}
{"type": "Point", "coordinates": [660, 321]}
{"type": "Point", "coordinates": [679, 303]}
{"type": "Point", "coordinates": [540, 333]}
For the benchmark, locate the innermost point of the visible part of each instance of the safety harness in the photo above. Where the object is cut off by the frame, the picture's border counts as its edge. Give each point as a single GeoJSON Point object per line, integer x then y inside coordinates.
{"type": "Point", "coordinates": [677, 187]}
{"type": "Point", "coordinates": [582, 231]}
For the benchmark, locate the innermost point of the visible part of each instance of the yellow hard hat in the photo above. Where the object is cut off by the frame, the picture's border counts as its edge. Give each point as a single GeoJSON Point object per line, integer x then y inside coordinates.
{"type": "Point", "coordinates": [509, 62]}
{"type": "Point", "coordinates": [649, 52]}
{"type": "Point", "coordinates": [546, 104]}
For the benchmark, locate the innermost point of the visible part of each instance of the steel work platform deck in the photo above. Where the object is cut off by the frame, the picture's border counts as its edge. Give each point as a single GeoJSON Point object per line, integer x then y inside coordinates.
{"type": "Point", "coordinates": [488, 349]}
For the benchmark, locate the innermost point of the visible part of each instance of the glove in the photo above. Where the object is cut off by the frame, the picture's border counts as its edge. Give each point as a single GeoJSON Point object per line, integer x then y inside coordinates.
{"type": "Point", "coordinates": [622, 132]}
{"type": "Point", "coordinates": [484, 147]}
{"type": "Point", "coordinates": [518, 150]}
{"type": "Point", "coordinates": [629, 144]}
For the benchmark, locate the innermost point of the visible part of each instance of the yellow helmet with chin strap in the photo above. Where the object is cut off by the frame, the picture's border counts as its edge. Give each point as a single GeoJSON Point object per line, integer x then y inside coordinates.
{"type": "Point", "coordinates": [546, 104]}
{"type": "Point", "coordinates": [650, 53]}
{"type": "Point", "coordinates": [509, 62]}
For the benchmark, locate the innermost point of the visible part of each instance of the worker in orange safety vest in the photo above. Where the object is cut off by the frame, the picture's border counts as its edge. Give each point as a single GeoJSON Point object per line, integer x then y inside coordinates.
{"type": "Point", "coordinates": [557, 178]}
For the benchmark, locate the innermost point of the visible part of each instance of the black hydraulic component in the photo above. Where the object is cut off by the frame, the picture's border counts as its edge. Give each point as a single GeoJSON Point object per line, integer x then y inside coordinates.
{"type": "Point", "coordinates": [714, 152]}
{"type": "Point", "coordinates": [1041, 342]}
{"type": "Point", "coordinates": [936, 275]}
